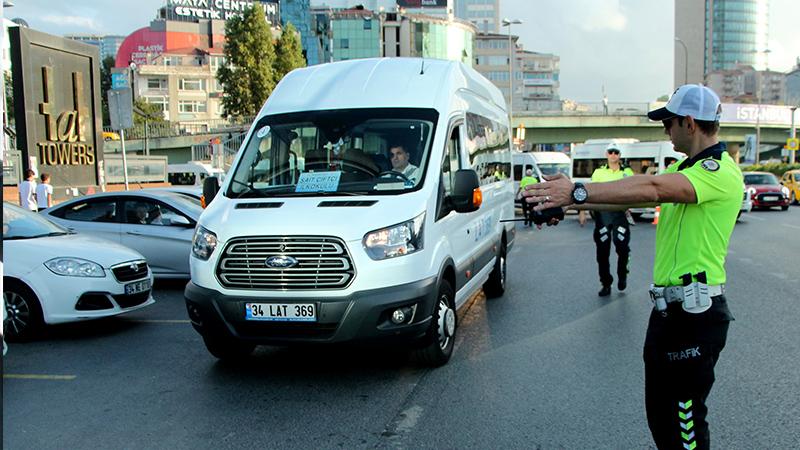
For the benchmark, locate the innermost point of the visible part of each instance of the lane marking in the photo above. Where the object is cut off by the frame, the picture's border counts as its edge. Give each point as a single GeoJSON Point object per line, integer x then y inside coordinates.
{"type": "Point", "coordinates": [749, 216]}
{"type": "Point", "coordinates": [39, 377]}
{"type": "Point", "coordinates": [791, 226]}
{"type": "Point", "coordinates": [158, 321]}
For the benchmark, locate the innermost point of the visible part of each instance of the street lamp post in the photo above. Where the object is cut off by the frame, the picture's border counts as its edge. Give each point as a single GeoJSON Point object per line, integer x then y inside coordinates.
{"type": "Point", "coordinates": [685, 60]}
{"type": "Point", "coordinates": [508, 23]}
{"type": "Point", "coordinates": [793, 135]}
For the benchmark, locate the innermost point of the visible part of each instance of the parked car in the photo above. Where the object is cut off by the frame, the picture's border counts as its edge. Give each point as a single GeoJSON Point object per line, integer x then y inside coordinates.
{"type": "Point", "coordinates": [791, 180]}
{"type": "Point", "coordinates": [747, 202]}
{"type": "Point", "coordinates": [110, 136]}
{"type": "Point", "coordinates": [52, 275]}
{"type": "Point", "coordinates": [766, 191]}
{"type": "Point", "coordinates": [157, 224]}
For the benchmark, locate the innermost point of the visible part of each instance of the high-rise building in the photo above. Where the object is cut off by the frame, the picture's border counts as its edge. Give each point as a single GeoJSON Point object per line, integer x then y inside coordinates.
{"type": "Point", "coordinates": [744, 84]}
{"type": "Point", "coordinates": [484, 14]}
{"type": "Point", "coordinates": [713, 35]}
{"type": "Point", "coordinates": [109, 45]}
{"type": "Point", "coordinates": [536, 75]}
{"type": "Point", "coordinates": [793, 86]}
{"type": "Point", "coordinates": [362, 33]}
{"type": "Point", "coordinates": [298, 13]}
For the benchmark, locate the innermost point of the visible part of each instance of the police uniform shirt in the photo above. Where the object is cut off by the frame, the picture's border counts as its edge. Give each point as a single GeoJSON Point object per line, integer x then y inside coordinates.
{"type": "Point", "coordinates": [604, 174]}
{"type": "Point", "coordinates": [693, 238]}
{"type": "Point", "coordinates": [526, 180]}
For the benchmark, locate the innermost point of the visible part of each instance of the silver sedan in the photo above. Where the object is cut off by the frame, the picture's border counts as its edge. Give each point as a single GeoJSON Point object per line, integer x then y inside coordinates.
{"type": "Point", "coordinates": [157, 224]}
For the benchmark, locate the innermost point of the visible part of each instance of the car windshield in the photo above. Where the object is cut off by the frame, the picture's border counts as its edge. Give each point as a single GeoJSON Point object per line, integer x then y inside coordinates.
{"type": "Point", "coordinates": [190, 202]}
{"type": "Point", "coordinates": [760, 178]}
{"type": "Point", "coordinates": [19, 223]}
{"type": "Point", "coordinates": [338, 152]}
{"type": "Point", "coordinates": [554, 168]}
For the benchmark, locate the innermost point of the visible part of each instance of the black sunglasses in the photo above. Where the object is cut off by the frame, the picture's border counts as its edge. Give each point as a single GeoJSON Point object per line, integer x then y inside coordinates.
{"type": "Point", "coordinates": [613, 152]}
{"type": "Point", "coordinates": [668, 122]}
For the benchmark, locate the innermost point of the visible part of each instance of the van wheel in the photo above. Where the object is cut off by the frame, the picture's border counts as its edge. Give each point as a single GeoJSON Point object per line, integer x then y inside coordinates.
{"type": "Point", "coordinates": [495, 286]}
{"type": "Point", "coordinates": [227, 349]}
{"type": "Point", "coordinates": [440, 339]}
{"type": "Point", "coordinates": [24, 318]}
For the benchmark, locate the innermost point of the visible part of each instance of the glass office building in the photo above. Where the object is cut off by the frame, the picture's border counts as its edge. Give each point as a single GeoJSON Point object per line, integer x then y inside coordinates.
{"type": "Point", "coordinates": [298, 12]}
{"type": "Point", "coordinates": [356, 36]}
{"type": "Point", "coordinates": [737, 32]}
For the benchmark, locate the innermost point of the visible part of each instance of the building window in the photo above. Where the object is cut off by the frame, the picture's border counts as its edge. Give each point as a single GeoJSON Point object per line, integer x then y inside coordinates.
{"type": "Point", "coordinates": [216, 62]}
{"type": "Point", "coordinates": [172, 60]}
{"type": "Point", "coordinates": [191, 84]}
{"type": "Point", "coordinates": [162, 102]}
{"type": "Point", "coordinates": [156, 83]}
{"type": "Point", "coordinates": [192, 106]}
{"type": "Point", "coordinates": [344, 43]}
{"type": "Point", "coordinates": [367, 24]}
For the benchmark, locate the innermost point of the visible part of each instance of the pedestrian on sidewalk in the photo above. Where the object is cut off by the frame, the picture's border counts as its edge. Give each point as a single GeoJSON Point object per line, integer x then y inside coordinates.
{"type": "Point", "coordinates": [27, 191]}
{"type": "Point", "coordinates": [700, 198]}
{"type": "Point", "coordinates": [44, 192]}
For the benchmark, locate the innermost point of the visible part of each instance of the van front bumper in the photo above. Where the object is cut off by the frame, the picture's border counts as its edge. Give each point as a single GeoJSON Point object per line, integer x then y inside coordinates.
{"type": "Point", "coordinates": [362, 316]}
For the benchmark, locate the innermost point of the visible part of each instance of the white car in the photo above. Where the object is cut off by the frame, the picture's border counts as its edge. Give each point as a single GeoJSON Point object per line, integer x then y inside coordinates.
{"type": "Point", "coordinates": [52, 275]}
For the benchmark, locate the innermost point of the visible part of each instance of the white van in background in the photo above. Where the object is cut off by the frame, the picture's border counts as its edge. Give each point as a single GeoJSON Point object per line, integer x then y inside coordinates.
{"type": "Point", "coordinates": [542, 163]}
{"type": "Point", "coordinates": [644, 158]}
{"type": "Point", "coordinates": [192, 173]}
{"type": "Point", "coordinates": [390, 224]}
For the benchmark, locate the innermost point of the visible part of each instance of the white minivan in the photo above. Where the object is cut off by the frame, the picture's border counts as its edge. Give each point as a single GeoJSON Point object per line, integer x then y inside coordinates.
{"type": "Point", "coordinates": [192, 173]}
{"type": "Point", "coordinates": [542, 163]}
{"type": "Point", "coordinates": [364, 204]}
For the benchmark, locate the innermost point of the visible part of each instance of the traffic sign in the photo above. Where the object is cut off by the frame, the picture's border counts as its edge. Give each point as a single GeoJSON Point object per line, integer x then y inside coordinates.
{"type": "Point", "coordinates": [792, 144]}
{"type": "Point", "coordinates": [119, 80]}
{"type": "Point", "coordinates": [120, 108]}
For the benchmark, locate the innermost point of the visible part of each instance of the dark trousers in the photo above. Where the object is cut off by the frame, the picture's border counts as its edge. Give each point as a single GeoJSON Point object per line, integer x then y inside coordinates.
{"type": "Point", "coordinates": [680, 352]}
{"type": "Point", "coordinates": [620, 234]}
{"type": "Point", "coordinates": [527, 212]}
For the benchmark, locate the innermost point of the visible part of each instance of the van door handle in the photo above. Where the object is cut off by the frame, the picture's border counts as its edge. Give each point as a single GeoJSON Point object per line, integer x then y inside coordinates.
{"type": "Point", "coordinates": [133, 233]}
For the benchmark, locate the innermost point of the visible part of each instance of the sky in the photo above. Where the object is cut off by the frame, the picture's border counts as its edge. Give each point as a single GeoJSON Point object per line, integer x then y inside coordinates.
{"type": "Point", "coordinates": [623, 46]}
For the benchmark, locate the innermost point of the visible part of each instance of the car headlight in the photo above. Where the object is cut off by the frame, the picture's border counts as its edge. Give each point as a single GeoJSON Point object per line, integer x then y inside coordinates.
{"type": "Point", "coordinates": [751, 191]}
{"type": "Point", "coordinates": [203, 243]}
{"type": "Point", "coordinates": [75, 267]}
{"type": "Point", "coordinates": [397, 240]}
{"type": "Point", "coordinates": [785, 191]}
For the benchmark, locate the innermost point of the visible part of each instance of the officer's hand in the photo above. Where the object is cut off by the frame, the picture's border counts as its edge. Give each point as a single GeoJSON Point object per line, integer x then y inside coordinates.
{"type": "Point", "coordinates": [582, 218]}
{"type": "Point", "coordinates": [554, 192]}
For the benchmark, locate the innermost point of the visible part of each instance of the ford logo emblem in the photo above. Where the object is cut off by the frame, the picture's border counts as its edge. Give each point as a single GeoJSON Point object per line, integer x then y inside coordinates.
{"type": "Point", "coordinates": [281, 262]}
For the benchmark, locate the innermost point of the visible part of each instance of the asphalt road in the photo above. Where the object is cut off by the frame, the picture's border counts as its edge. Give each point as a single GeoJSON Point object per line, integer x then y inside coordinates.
{"type": "Point", "coordinates": [549, 365]}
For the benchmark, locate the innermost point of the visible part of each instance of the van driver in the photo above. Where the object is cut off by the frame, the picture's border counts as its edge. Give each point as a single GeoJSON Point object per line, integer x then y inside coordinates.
{"type": "Point", "coordinates": [400, 163]}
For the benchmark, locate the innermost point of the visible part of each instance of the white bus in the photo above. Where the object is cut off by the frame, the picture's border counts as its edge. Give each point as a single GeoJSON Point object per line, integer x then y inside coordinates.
{"type": "Point", "coordinates": [644, 158]}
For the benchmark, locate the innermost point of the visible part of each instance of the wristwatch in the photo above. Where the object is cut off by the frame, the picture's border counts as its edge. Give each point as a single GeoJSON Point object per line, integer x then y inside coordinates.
{"type": "Point", "coordinates": [579, 194]}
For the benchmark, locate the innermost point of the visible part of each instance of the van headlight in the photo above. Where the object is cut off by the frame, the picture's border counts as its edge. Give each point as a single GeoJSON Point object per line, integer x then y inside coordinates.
{"type": "Point", "coordinates": [75, 267]}
{"type": "Point", "coordinates": [397, 240]}
{"type": "Point", "coordinates": [203, 243]}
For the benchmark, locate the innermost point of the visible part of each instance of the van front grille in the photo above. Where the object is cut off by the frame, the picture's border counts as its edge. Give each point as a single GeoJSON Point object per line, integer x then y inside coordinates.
{"type": "Point", "coordinates": [285, 263]}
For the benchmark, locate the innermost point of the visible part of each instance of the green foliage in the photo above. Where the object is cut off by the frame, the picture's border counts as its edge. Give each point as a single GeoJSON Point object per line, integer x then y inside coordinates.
{"type": "Point", "coordinates": [288, 52]}
{"type": "Point", "coordinates": [153, 112]}
{"type": "Point", "coordinates": [663, 98]}
{"type": "Point", "coordinates": [105, 85]}
{"type": "Point", "coordinates": [775, 168]}
{"type": "Point", "coordinates": [247, 76]}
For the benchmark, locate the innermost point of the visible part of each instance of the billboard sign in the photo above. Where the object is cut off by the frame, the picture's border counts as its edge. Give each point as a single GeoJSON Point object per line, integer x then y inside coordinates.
{"type": "Point", "coordinates": [57, 106]}
{"type": "Point", "coordinates": [748, 113]}
{"type": "Point", "coordinates": [192, 10]}
{"type": "Point", "coordinates": [422, 3]}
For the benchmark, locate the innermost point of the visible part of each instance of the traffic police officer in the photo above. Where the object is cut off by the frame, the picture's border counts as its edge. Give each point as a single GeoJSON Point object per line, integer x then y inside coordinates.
{"type": "Point", "coordinates": [700, 197]}
{"type": "Point", "coordinates": [527, 208]}
{"type": "Point", "coordinates": [611, 226]}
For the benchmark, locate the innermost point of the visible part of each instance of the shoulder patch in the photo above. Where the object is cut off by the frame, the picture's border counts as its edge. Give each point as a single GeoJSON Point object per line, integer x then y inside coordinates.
{"type": "Point", "coordinates": [710, 165]}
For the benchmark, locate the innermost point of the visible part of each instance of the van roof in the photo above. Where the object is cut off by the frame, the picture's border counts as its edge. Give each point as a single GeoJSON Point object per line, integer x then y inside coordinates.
{"type": "Point", "coordinates": [378, 83]}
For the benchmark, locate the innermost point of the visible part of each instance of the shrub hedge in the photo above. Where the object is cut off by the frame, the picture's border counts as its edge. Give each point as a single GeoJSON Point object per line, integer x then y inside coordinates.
{"type": "Point", "coordinates": [776, 168]}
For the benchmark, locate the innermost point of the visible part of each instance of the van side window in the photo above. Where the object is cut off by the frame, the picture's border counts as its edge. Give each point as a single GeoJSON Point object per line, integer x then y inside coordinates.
{"type": "Point", "coordinates": [488, 147]}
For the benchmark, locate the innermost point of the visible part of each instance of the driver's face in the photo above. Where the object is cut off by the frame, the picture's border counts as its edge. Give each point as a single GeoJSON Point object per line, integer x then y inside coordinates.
{"type": "Point", "coordinates": [399, 158]}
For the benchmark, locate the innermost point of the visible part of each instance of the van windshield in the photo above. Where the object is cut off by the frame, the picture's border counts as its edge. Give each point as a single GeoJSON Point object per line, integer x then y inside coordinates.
{"type": "Point", "coordinates": [335, 152]}
{"type": "Point", "coordinates": [554, 168]}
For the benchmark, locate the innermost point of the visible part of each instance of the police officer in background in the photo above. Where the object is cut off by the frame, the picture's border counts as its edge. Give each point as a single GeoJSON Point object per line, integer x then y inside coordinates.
{"type": "Point", "coordinates": [700, 197]}
{"type": "Point", "coordinates": [611, 226]}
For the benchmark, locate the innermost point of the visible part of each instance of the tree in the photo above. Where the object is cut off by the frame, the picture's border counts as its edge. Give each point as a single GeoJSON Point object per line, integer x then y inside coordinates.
{"type": "Point", "coordinates": [247, 76]}
{"type": "Point", "coordinates": [663, 98]}
{"type": "Point", "coordinates": [142, 110]}
{"type": "Point", "coordinates": [288, 53]}
{"type": "Point", "coordinates": [105, 85]}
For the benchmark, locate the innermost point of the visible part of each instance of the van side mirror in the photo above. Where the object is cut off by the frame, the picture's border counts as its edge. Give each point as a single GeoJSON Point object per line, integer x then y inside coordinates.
{"type": "Point", "coordinates": [466, 196]}
{"type": "Point", "coordinates": [210, 189]}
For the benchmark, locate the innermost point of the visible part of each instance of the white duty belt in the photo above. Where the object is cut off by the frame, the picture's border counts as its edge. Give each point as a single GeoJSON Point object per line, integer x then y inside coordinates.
{"type": "Point", "coordinates": [674, 294]}
{"type": "Point", "coordinates": [694, 298]}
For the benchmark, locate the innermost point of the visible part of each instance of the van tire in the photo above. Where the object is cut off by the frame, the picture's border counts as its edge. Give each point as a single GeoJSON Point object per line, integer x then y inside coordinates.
{"type": "Point", "coordinates": [25, 320]}
{"type": "Point", "coordinates": [439, 340]}
{"type": "Point", "coordinates": [495, 286]}
{"type": "Point", "coordinates": [227, 349]}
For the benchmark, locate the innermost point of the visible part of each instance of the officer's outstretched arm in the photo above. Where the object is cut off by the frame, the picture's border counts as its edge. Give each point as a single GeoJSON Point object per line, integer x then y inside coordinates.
{"type": "Point", "coordinates": [667, 188]}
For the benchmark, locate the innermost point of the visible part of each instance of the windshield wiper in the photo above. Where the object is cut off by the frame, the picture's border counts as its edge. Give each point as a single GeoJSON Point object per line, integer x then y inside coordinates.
{"type": "Point", "coordinates": [251, 188]}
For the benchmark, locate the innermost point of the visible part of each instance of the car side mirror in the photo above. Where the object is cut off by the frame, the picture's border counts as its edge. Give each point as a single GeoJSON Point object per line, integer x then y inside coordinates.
{"type": "Point", "coordinates": [466, 195]}
{"type": "Point", "coordinates": [210, 189]}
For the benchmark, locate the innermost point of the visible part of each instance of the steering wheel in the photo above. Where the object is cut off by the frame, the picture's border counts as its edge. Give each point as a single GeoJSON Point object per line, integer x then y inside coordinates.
{"type": "Point", "coordinates": [393, 174]}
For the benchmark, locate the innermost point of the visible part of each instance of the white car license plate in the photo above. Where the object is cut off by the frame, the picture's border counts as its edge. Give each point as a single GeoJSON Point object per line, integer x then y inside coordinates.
{"type": "Point", "coordinates": [278, 312]}
{"type": "Point", "coordinates": [135, 288]}
{"type": "Point", "coordinates": [770, 198]}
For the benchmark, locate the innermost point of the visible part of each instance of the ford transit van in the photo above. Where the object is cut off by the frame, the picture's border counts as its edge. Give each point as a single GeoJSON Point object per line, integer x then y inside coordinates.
{"type": "Point", "coordinates": [364, 204]}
